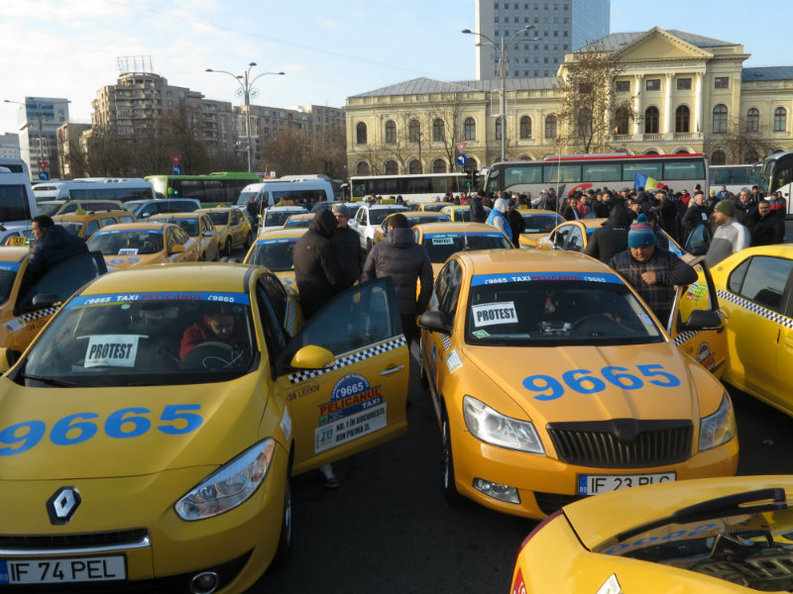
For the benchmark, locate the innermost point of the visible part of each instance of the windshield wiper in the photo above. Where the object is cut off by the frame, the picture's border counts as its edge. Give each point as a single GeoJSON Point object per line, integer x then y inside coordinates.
{"type": "Point", "coordinates": [51, 381]}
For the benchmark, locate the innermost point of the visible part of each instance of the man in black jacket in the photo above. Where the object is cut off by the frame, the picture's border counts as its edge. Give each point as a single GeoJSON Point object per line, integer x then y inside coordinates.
{"type": "Point", "coordinates": [348, 246]}
{"type": "Point", "coordinates": [612, 237]}
{"type": "Point", "coordinates": [54, 245]}
{"type": "Point", "coordinates": [318, 272]}
{"type": "Point", "coordinates": [765, 227]}
{"type": "Point", "coordinates": [406, 262]}
{"type": "Point", "coordinates": [478, 214]}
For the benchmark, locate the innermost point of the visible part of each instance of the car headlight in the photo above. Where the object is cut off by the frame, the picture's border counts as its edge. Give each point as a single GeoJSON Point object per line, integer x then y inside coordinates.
{"type": "Point", "coordinates": [229, 486]}
{"type": "Point", "coordinates": [719, 427]}
{"type": "Point", "coordinates": [494, 428]}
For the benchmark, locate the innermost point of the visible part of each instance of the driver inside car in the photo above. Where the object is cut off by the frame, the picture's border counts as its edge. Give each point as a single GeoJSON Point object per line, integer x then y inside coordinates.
{"type": "Point", "coordinates": [221, 324]}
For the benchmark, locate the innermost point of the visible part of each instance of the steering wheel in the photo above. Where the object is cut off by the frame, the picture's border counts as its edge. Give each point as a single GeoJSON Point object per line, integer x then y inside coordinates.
{"type": "Point", "coordinates": [593, 323]}
{"type": "Point", "coordinates": [209, 355]}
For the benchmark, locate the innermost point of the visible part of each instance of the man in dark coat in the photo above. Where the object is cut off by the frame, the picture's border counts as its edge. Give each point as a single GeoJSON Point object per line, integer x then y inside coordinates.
{"type": "Point", "coordinates": [516, 223]}
{"type": "Point", "coordinates": [348, 246]}
{"type": "Point", "coordinates": [318, 272]}
{"type": "Point", "coordinates": [401, 258]}
{"type": "Point", "coordinates": [765, 227]}
{"type": "Point", "coordinates": [477, 208]}
{"type": "Point", "coordinates": [612, 237]}
{"type": "Point", "coordinates": [54, 244]}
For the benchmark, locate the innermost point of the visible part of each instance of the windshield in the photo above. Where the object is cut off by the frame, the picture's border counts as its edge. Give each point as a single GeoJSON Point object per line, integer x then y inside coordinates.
{"type": "Point", "coordinates": [14, 205]}
{"type": "Point", "coordinates": [49, 209]}
{"type": "Point", "coordinates": [245, 197]}
{"type": "Point", "coordinates": [440, 246]}
{"type": "Point", "coordinates": [376, 215]}
{"type": "Point", "coordinates": [556, 308]}
{"type": "Point", "coordinates": [126, 242]}
{"type": "Point", "coordinates": [275, 254]}
{"type": "Point", "coordinates": [541, 223]}
{"type": "Point", "coordinates": [219, 217]}
{"type": "Point", "coordinates": [145, 339]}
{"type": "Point", "coordinates": [190, 226]}
{"type": "Point", "coordinates": [764, 173]}
{"type": "Point", "coordinates": [8, 272]}
{"type": "Point", "coordinates": [72, 228]}
{"type": "Point", "coordinates": [298, 223]}
{"type": "Point", "coordinates": [277, 218]}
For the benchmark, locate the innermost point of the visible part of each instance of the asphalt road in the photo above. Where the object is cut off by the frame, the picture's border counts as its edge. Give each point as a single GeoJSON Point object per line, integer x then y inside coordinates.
{"type": "Point", "coordinates": [388, 529]}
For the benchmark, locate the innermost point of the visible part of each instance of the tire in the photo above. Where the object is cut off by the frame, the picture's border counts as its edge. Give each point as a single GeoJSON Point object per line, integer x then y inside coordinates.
{"type": "Point", "coordinates": [447, 462]}
{"type": "Point", "coordinates": [247, 245]}
{"type": "Point", "coordinates": [284, 550]}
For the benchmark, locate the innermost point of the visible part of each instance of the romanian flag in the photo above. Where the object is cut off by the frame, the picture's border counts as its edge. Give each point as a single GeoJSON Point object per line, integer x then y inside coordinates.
{"type": "Point", "coordinates": [645, 181]}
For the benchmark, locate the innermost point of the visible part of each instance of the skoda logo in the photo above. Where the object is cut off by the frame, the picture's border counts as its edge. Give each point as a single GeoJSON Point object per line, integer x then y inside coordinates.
{"type": "Point", "coordinates": [62, 505]}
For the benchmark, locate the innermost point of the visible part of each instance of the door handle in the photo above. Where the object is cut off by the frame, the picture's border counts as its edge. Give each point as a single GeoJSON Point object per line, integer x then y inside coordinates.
{"type": "Point", "coordinates": [391, 370]}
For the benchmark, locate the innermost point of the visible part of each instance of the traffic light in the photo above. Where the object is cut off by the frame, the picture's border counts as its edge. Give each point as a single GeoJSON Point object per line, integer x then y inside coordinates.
{"type": "Point", "coordinates": [474, 179]}
{"type": "Point", "coordinates": [469, 179]}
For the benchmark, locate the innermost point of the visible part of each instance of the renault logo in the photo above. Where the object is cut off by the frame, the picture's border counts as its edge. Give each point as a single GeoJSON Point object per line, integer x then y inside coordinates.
{"type": "Point", "coordinates": [62, 505]}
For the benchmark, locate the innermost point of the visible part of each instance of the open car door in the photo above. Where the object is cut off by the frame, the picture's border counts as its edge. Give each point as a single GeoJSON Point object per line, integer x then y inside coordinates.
{"type": "Point", "coordinates": [695, 323]}
{"type": "Point", "coordinates": [358, 399]}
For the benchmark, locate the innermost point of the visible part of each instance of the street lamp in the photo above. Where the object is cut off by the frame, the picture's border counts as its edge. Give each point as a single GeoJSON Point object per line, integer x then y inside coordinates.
{"type": "Point", "coordinates": [246, 90]}
{"type": "Point", "coordinates": [503, 54]}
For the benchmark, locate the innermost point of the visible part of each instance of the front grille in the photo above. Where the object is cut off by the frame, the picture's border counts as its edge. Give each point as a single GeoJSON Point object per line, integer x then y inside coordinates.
{"type": "Point", "coordinates": [119, 538]}
{"type": "Point", "coordinates": [622, 443]}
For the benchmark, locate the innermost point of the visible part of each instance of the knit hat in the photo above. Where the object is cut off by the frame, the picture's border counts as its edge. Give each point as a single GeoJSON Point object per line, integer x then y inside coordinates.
{"type": "Point", "coordinates": [641, 233]}
{"type": "Point", "coordinates": [726, 207]}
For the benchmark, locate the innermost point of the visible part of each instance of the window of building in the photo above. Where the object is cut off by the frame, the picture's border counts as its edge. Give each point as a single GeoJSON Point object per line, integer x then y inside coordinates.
{"type": "Point", "coordinates": [682, 119]}
{"type": "Point", "coordinates": [360, 133]}
{"type": "Point", "coordinates": [437, 130]}
{"type": "Point", "coordinates": [753, 120]}
{"type": "Point", "coordinates": [683, 84]}
{"type": "Point", "coordinates": [652, 84]}
{"type": "Point", "coordinates": [718, 157]}
{"type": "Point", "coordinates": [721, 82]}
{"type": "Point", "coordinates": [414, 131]}
{"type": "Point", "coordinates": [720, 119]}
{"type": "Point", "coordinates": [414, 166]}
{"type": "Point", "coordinates": [623, 86]}
{"type": "Point", "coordinates": [621, 121]}
{"type": "Point", "coordinates": [469, 129]}
{"type": "Point", "coordinates": [651, 120]}
{"type": "Point", "coordinates": [362, 168]}
{"type": "Point", "coordinates": [525, 127]}
{"type": "Point", "coordinates": [390, 167]}
{"type": "Point", "coordinates": [780, 119]}
{"type": "Point", "coordinates": [498, 129]}
{"type": "Point", "coordinates": [439, 166]}
{"type": "Point", "coordinates": [390, 132]}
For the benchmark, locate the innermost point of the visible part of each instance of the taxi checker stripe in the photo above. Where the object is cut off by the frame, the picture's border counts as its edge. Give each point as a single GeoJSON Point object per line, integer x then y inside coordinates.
{"type": "Point", "coordinates": [687, 335]}
{"type": "Point", "coordinates": [39, 314]}
{"type": "Point", "coordinates": [756, 308]}
{"type": "Point", "coordinates": [355, 357]}
{"type": "Point", "coordinates": [447, 342]}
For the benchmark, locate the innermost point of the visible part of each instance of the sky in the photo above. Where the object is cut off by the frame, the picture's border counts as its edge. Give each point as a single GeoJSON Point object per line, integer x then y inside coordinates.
{"type": "Point", "coordinates": [328, 50]}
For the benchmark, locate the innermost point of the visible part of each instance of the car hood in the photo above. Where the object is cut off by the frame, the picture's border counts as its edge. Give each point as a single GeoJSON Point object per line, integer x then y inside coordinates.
{"type": "Point", "coordinates": [70, 433]}
{"type": "Point", "coordinates": [136, 260]}
{"type": "Point", "coordinates": [656, 397]}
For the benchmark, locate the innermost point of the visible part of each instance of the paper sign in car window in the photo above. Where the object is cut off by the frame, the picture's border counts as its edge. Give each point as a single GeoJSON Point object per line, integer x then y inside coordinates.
{"type": "Point", "coordinates": [490, 314]}
{"type": "Point", "coordinates": [111, 350]}
{"type": "Point", "coordinates": [128, 252]}
{"type": "Point", "coordinates": [442, 240]}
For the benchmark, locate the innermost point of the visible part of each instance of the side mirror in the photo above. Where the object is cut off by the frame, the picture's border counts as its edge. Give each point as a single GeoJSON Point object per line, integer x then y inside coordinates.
{"type": "Point", "coordinates": [702, 319]}
{"type": "Point", "coordinates": [7, 358]}
{"type": "Point", "coordinates": [209, 233]}
{"type": "Point", "coordinates": [177, 249]}
{"type": "Point", "coordinates": [312, 357]}
{"type": "Point", "coordinates": [43, 300]}
{"type": "Point", "coordinates": [436, 321]}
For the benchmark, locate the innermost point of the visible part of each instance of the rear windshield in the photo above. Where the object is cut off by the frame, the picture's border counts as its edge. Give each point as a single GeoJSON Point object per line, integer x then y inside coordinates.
{"type": "Point", "coordinates": [275, 254]}
{"type": "Point", "coordinates": [440, 246]}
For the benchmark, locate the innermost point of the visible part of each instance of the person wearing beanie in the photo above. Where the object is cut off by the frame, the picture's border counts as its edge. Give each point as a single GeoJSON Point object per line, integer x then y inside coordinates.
{"type": "Point", "coordinates": [729, 235]}
{"type": "Point", "coordinates": [652, 270]}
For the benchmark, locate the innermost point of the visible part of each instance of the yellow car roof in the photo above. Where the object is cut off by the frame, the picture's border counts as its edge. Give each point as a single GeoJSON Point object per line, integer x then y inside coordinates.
{"type": "Point", "coordinates": [281, 233]}
{"type": "Point", "coordinates": [173, 215]}
{"type": "Point", "coordinates": [456, 227]}
{"type": "Point", "coordinates": [507, 260]}
{"type": "Point", "coordinates": [90, 215]}
{"type": "Point", "coordinates": [212, 276]}
{"type": "Point", "coordinates": [216, 209]}
{"type": "Point", "coordinates": [301, 215]}
{"type": "Point", "coordinates": [13, 254]}
{"type": "Point", "coordinates": [141, 226]}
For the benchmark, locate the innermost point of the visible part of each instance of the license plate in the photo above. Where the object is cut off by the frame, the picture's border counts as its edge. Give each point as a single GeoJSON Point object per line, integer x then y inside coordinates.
{"type": "Point", "coordinates": [592, 484]}
{"type": "Point", "coordinates": [62, 570]}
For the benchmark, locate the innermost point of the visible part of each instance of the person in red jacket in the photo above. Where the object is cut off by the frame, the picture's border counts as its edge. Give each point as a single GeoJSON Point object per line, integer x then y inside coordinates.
{"type": "Point", "coordinates": [220, 325]}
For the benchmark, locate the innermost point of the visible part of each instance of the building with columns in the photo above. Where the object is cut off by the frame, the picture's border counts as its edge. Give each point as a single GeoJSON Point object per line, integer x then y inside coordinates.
{"type": "Point", "coordinates": [688, 93]}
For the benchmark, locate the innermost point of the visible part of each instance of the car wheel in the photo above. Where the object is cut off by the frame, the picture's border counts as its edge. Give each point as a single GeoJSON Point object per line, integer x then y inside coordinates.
{"type": "Point", "coordinates": [227, 248]}
{"type": "Point", "coordinates": [247, 243]}
{"type": "Point", "coordinates": [447, 461]}
{"type": "Point", "coordinates": [285, 539]}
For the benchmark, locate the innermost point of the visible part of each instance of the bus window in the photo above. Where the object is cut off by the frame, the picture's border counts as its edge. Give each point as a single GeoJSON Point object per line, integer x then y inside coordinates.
{"type": "Point", "coordinates": [686, 170]}
{"type": "Point", "coordinates": [602, 172]}
{"type": "Point", "coordinates": [561, 173]}
{"type": "Point", "coordinates": [531, 174]}
{"type": "Point", "coordinates": [650, 169]}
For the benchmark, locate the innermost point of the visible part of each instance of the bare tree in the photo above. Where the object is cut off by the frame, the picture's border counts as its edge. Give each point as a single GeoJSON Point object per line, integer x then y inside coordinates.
{"type": "Point", "coordinates": [445, 108]}
{"type": "Point", "coordinates": [742, 142]}
{"type": "Point", "coordinates": [293, 151]}
{"type": "Point", "coordinates": [589, 114]}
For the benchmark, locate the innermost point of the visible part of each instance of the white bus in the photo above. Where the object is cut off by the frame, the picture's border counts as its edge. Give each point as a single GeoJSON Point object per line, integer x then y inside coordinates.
{"type": "Point", "coordinates": [568, 174]}
{"type": "Point", "coordinates": [122, 189]}
{"type": "Point", "coordinates": [734, 177]}
{"type": "Point", "coordinates": [418, 187]}
{"type": "Point", "coordinates": [17, 203]}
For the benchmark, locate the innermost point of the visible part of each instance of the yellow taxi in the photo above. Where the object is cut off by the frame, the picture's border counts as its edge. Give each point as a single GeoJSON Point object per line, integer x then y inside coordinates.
{"type": "Point", "coordinates": [197, 225]}
{"type": "Point", "coordinates": [538, 224]}
{"type": "Point", "coordinates": [26, 308]}
{"type": "Point", "coordinates": [134, 244]}
{"type": "Point", "coordinates": [459, 212]}
{"type": "Point", "coordinates": [85, 224]}
{"type": "Point", "coordinates": [441, 240]}
{"type": "Point", "coordinates": [179, 482]}
{"type": "Point", "coordinates": [430, 206]}
{"type": "Point", "coordinates": [414, 217]}
{"type": "Point", "coordinates": [552, 380]}
{"type": "Point", "coordinates": [273, 250]}
{"type": "Point", "coordinates": [299, 221]}
{"type": "Point", "coordinates": [233, 227]}
{"type": "Point", "coordinates": [705, 536]}
{"type": "Point", "coordinates": [754, 293]}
